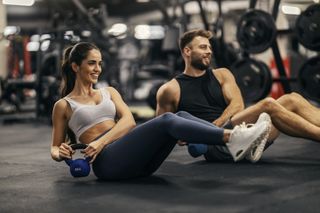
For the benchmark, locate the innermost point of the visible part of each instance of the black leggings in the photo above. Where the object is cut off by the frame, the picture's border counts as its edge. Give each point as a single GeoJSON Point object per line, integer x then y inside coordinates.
{"type": "Point", "coordinates": [144, 148]}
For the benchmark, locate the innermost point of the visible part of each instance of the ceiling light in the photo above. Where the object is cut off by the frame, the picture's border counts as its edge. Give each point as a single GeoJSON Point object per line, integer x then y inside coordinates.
{"type": "Point", "coordinates": [290, 10]}
{"type": "Point", "coordinates": [18, 2]}
{"type": "Point", "coordinates": [33, 46]}
{"type": "Point", "coordinates": [149, 32]}
{"type": "Point", "coordinates": [118, 29]}
{"type": "Point", "coordinates": [11, 30]}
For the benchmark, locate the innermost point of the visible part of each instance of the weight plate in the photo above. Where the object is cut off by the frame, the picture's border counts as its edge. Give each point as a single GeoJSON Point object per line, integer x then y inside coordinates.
{"type": "Point", "coordinates": [308, 27]}
{"type": "Point", "coordinates": [256, 31]}
{"type": "Point", "coordinates": [253, 78]}
{"type": "Point", "coordinates": [309, 78]}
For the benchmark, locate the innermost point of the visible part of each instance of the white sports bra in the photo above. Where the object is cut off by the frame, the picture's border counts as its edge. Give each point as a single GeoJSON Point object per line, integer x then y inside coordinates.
{"type": "Point", "coordinates": [85, 116]}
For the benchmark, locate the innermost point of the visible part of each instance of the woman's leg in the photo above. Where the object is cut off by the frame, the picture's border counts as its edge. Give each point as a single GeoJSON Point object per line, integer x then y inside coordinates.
{"type": "Point", "coordinates": [216, 152]}
{"type": "Point", "coordinates": [187, 115]}
{"type": "Point", "coordinates": [143, 150]}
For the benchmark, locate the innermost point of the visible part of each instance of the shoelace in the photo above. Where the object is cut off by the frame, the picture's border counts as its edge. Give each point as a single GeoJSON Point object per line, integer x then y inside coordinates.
{"type": "Point", "coordinates": [243, 125]}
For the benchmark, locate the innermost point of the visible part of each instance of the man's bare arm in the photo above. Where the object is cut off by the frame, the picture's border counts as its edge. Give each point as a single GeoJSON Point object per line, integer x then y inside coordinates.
{"type": "Point", "coordinates": [166, 98]}
{"type": "Point", "coordinates": [232, 96]}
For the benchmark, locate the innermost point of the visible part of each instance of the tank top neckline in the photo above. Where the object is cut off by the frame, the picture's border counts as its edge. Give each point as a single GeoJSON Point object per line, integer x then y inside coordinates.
{"type": "Point", "coordinates": [195, 77]}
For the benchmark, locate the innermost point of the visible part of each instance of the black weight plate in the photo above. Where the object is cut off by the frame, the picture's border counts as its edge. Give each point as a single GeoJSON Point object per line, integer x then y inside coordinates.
{"type": "Point", "coordinates": [308, 27]}
{"type": "Point", "coordinates": [256, 31]}
{"type": "Point", "coordinates": [309, 78]}
{"type": "Point", "coordinates": [253, 78]}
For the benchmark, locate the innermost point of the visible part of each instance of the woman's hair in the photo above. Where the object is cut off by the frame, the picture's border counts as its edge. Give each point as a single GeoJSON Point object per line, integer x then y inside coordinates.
{"type": "Point", "coordinates": [187, 37]}
{"type": "Point", "coordinates": [73, 54]}
{"type": "Point", "coordinates": [76, 54]}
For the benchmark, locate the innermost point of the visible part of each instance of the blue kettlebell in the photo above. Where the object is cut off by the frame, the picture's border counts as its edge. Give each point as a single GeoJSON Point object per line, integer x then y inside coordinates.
{"type": "Point", "coordinates": [195, 150]}
{"type": "Point", "coordinates": [79, 167]}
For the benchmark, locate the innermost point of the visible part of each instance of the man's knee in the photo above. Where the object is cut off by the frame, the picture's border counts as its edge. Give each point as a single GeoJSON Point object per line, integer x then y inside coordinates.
{"type": "Point", "coordinates": [289, 100]}
{"type": "Point", "coordinates": [295, 96]}
{"type": "Point", "coordinates": [268, 104]}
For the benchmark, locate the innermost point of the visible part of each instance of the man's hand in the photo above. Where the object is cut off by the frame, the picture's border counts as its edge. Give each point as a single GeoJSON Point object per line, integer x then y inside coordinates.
{"type": "Point", "coordinates": [218, 122]}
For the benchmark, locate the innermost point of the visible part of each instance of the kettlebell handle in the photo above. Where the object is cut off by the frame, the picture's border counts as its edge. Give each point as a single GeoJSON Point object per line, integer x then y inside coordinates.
{"type": "Point", "coordinates": [78, 146]}
{"type": "Point", "coordinates": [75, 147]}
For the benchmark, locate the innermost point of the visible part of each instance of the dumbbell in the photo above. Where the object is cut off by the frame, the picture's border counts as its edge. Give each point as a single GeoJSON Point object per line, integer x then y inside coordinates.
{"type": "Point", "coordinates": [79, 167]}
{"type": "Point", "coordinates": [196, 150]}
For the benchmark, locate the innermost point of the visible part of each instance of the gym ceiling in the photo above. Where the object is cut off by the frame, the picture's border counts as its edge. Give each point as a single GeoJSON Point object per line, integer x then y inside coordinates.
{"type": "Point", "coordinates": [45, 9]}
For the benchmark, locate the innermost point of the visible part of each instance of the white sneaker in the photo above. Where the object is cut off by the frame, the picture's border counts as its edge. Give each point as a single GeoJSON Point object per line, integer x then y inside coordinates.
{"type": "Point", "coordinates": [257, 149]}
{"type": "Point", "coordinates": [243, 138]}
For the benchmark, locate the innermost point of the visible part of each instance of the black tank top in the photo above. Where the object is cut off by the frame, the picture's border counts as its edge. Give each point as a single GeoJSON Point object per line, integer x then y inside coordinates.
{"type": "Point", "coordinates": [201, 96]}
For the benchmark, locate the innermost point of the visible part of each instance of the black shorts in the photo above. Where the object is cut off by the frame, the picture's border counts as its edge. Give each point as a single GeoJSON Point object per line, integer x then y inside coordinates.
{"type": "Point", "coordinates": [218, 153]}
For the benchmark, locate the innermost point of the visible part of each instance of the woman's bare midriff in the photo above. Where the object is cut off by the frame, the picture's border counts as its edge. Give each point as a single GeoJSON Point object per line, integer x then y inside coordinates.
{"type": "Point", "coordinates": [89, 135]}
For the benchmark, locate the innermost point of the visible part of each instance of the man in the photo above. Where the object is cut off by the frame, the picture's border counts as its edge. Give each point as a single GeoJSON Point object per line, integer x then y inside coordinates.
{"type": "Point", "coordinates": [213, 95]}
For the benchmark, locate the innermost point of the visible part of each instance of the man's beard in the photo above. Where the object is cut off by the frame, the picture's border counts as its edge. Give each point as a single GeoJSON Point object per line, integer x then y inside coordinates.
{"type": "Point", "coordinates": [197, 63]}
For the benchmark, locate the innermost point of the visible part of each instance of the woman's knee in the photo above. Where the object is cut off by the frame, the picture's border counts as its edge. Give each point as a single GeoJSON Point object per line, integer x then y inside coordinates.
{"type": "Point", "coordinates": [182, 113]}
{"type": "Point", "coordinates": [166, 117]}
{"type": "Point", "coordinates": [168, 120]}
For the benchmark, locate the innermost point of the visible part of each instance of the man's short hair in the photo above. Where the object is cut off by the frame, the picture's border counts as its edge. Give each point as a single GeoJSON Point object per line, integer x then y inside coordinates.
{"type": "Point", "coordinates": [188, 36]}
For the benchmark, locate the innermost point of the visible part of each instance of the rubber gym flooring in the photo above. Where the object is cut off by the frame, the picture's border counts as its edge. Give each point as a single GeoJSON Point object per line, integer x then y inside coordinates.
{"type": "Point", "coordinates": [287, 179]}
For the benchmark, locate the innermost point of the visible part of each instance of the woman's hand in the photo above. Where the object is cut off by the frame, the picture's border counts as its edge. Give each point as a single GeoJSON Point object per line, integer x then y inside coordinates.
{"type": "Point", "coordinates": [93, 149]}
{"type": "Point", "coordinates": [65, 151]}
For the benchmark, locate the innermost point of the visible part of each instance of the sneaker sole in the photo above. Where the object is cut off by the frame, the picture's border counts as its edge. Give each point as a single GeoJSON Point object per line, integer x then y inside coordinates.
{"type": "Point", "coordinates": [259, 140]}
{"type": "Point", "coordinates": [259, 147]}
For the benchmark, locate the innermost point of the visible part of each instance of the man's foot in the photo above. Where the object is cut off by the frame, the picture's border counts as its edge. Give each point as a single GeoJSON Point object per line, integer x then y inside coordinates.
{"type": "Point", "coordinates": [257, 149]}
{"type": "Point", "coordinates": [243, 138]}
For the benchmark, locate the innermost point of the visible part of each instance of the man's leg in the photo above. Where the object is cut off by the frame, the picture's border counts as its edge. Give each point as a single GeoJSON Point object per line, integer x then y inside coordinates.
{"type": "Point", "coordinates": [295, 103]}
{"type": "Point", "coordinates": [284, 120]}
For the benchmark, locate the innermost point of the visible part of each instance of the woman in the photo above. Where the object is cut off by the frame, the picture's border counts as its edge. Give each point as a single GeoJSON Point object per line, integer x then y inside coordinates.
{"type": "Point", "coordinates": [119, 149]}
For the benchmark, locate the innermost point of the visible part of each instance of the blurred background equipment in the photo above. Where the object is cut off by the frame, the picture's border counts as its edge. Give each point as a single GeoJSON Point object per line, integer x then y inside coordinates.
{"type": "Point", "coordinates": [272, 48]}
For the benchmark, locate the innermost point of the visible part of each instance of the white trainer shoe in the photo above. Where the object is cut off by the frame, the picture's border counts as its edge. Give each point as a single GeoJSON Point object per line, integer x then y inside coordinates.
{"type": "Point", "coordinates": [257, 149]}
{"type": "Point", "coordinates": [243, 138]}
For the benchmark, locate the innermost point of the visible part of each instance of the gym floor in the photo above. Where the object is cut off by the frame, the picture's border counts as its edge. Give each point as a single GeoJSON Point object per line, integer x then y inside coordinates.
{"type": "Point", "coordinates": [287, 179]}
